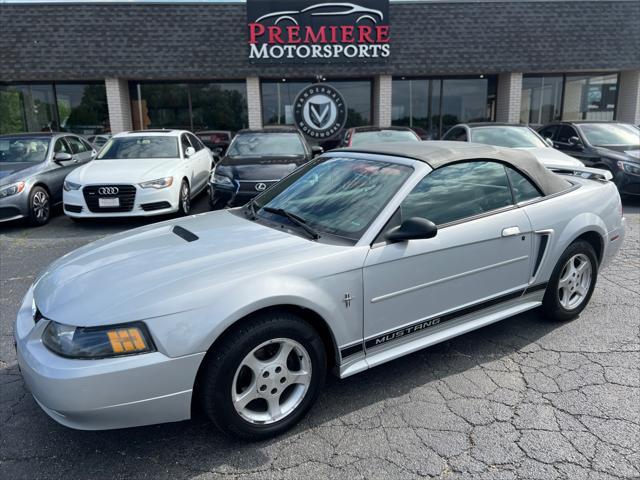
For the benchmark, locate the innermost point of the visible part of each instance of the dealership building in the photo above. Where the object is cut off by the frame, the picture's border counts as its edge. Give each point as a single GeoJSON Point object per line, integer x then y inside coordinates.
{"type": "Point", "coordinates": [90, 67]}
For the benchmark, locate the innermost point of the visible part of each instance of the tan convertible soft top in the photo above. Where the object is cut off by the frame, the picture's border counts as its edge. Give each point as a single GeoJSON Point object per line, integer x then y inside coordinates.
{"type": "Point", "coordinates": [440, 153]}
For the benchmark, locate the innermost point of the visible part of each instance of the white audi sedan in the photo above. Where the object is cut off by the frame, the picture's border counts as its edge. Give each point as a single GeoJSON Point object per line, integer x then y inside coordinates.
{"type": "Point", "coordinates": [150, 172]}
{"type": "Point", "coordinates": [360, 256]}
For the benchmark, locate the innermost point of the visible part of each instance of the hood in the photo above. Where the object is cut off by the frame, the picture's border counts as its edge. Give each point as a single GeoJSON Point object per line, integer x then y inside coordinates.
{"type": "Point", "coordinates": [11, 172]}
{"type": "Point", "coordinates": [123, 171]}
{"type": "Point", "coordinates": [620, 152]}
{"type": "Point", "coordinates": [152, 271]}
{"type": "Point", "coordinates": [259, 168]}
{"type": "Point", "coordinates": [550, 156]}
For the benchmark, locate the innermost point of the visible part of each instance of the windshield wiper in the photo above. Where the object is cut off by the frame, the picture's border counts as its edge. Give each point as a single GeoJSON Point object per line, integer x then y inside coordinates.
{"type": "Point", "coordinates": [295, 219]}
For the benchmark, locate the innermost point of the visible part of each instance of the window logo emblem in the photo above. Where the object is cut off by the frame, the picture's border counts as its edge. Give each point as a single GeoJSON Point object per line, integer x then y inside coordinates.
{"type": "Point", "coordinates": [320, 111]}
{"type": "Point", "coordinates": [261, 187]}
{"type": "Point", "coordinates": [108, 190]}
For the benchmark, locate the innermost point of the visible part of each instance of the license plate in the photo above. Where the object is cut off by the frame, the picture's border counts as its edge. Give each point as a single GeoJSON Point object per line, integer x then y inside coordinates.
{"type": "Point", "coordinates": [108, 202]}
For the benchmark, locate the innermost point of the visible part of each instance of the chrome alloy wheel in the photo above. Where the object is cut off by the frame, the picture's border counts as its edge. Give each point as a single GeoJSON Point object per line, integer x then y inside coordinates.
{"type": "Point", "coordinates": [40, 205]}
{"type": "Point", "coordinates": [271, 381]}
{"type": "Point", "coordinates": [185, 200]}
{"type": "Point", "coordinates": [574, 282]}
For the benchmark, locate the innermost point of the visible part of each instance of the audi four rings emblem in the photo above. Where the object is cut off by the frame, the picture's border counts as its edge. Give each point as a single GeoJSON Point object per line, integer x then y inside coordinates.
{"type": "Point", "coordinates": [261, 187]}
{"type": "Point", "coordinates": [108, 190]}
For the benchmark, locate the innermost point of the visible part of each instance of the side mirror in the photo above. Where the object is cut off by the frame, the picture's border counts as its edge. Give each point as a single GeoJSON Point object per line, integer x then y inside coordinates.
{"type": "Point", "coordinates": [575, 141]}
{"type": "Point", "coordinates": [189, 152]}
{"type": "Point", "coordinates": [62, 157]}
{"type": "Point", "coordinates": [414, 228]}
{"type": "Point", "coordinates": [548, 141]}
{"type": "Point", "coordinates": [316, 150]}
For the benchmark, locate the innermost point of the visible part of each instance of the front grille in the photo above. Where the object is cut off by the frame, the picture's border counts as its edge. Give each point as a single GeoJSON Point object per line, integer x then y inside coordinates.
{"type": "Point", "coordinates": [73, 208]}
{"type": "Point", "coordinates": [250, 186]}
{"type": "Point", "coordinates": [147, 207]}
{"type": "Point", "coordinates": [126, 194]}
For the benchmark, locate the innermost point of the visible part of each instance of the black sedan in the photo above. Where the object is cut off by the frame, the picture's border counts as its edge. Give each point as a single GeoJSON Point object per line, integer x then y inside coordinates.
{"type": "Point", "coordinates": [256, 160]}
{"type": "Point", "coordinates": [608, 145]}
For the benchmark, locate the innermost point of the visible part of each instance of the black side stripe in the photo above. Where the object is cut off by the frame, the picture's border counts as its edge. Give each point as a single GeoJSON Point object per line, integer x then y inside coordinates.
{"type": "Point", "coordinates": [433, 321]}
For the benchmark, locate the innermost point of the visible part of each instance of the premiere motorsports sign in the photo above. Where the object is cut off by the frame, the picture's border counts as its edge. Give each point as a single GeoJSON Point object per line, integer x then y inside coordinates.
{"type": "Point", "coordinates": [283, 31]}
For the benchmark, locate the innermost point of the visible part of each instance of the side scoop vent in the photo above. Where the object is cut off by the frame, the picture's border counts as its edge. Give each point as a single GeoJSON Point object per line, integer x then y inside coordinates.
{"type": "Point", "coordinates": [184, 233]}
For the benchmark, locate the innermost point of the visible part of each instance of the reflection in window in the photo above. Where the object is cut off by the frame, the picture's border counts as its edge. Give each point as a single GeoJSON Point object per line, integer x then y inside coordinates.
{"type": "Point", "coordinates": [190, 106]}
{"type": "Point", "coordinates": [541, 98]}
{"type": "Point", "coordinates": [278, 98]}
{"type": "Point", "coordinates": [590, 97]}
{"type": "Point", "coordinates": [432, 106]}
{"type": "Point", "coordinates": [82, 108]}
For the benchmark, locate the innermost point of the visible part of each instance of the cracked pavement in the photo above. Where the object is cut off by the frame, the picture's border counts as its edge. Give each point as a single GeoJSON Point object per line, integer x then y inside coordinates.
{"type": "Point", "coordinates": [524, 398]}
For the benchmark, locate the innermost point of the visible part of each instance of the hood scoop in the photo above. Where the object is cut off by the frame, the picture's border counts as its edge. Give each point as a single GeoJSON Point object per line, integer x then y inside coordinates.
{"type": "Point", "coordinates": [184, 233]}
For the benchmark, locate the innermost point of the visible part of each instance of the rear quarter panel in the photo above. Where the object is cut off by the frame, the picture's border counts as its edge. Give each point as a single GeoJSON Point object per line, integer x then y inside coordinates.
{"type": "Point", "coordinates": [591, 207]}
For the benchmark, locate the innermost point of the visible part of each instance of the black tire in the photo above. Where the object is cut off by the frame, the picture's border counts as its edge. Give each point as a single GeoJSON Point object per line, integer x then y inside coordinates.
{"type": "Point", "coordinates": [551, 303]}
{"type": "Point", "coordinates": [216, 203]}
{"type": "Point", "coordinates": [184, 199]}
{"type": "Point", "coordinates": [39, 207]}
{"type": "Point", "coordinates": [216, 378]}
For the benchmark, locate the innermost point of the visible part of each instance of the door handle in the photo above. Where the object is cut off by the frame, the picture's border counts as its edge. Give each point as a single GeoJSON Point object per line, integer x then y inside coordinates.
{"type": "Point", "coordinates": [510, 231]}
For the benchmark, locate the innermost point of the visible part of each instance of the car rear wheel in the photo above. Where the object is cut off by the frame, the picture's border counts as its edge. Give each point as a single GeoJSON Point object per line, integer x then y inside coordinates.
{"type": "Point", "coordinates": [39, 206]}
{"type": "Point", "coordinates": [263, 376]}
{"type": "Point", "coordinates": [572, 282]}
{"type": "Point", "coordinates": [184, 205]}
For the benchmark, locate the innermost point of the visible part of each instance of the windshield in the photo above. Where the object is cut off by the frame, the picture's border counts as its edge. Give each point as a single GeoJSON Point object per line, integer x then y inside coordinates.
{"type": "Point", "coordinates": [383, 136]}
{"type": "Point", "coordinates": [511, 137]}
{"type": "Point", "coordinates": [610, 134]}
{"type": "Point", "coordinates": [122, 148]}
{"type": "Point", "coordinates": [338, 196]}
{"type": "Point", "coordinates": [265, 144]}
{"type": "Point", "coordinates": [24, 149]}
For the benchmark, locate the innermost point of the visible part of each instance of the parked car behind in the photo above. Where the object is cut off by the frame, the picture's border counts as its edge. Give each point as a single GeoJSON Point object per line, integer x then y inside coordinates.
{"type": "Point", "coordinates": [99, 140]}
{"type": "Point", "coordinates": [256, 160]}
{"type": "Point", "coordinates": [511, 136]}
{"type": "Point", "coordinates": [150, 172]}
{"type": "Point", "coordinates": [359, 257]}
{"type": "Point", "coordinates": [358, 136]}
{"type": "Point", "coordinates": [216, 140]}
{"type": "Point", "coordinates": [32, 170]}
{"type": "Point", "coordinates": [610, 146]}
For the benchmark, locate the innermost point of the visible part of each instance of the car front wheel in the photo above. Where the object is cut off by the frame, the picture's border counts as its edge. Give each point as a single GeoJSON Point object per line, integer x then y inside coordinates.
{"type": "Point", "coordinates": [262, 378]}
{"type": "Point", "coordinates": [184, 205]}
{"type": "Point", "coordinates": [572, 282]}
{"type": "Point", "coordinates": [39, 206]}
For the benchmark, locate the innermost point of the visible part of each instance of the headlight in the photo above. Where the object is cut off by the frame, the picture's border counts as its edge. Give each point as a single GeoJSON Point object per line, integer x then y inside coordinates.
{"type": "Point", "coordinates": [11, 189]}
{"type": "Point", "coordinates": [158, 183]}
{"type": "Point", "coordinates": [631, 168]}
{"type": "Point", "coordinates": [221, 180]}
{"type": "Point", "coordinates": [68, 186]}
{"type": "Point", "coordinates": [97, 342]}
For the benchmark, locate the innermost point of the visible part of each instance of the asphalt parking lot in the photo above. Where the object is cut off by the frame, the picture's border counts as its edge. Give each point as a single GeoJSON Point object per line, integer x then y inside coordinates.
{"type": "Point", "coordinates": [525, 398]}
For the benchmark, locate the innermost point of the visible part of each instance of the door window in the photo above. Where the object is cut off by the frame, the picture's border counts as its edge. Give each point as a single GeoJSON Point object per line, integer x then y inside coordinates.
{"type": "Point", "coordinates": [523, 189]}
{"type": "Point", "coordinates": [76, 145]}
{"type": "Point", "coordinates": [458, 191]}
{"type": "Point", "coordinates": [61, 147]}
{"type": "Point", "coordinates": [548, 132]}
{"type": "Point", "coordinates": [185, 143]}
{"type": "Point", "coordinates": [565, 133]}
{"type": "Point", "coordinates": [195, 142]}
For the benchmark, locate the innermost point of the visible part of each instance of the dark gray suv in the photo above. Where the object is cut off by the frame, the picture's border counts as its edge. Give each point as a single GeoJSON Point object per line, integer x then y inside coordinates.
{"type": "Point", "coordinates": [33, 167]}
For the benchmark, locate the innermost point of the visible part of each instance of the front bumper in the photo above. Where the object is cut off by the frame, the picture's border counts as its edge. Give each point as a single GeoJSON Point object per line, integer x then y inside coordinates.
{"type": "Point", "coordinates": [103, 394]}
{"type": "Point", "coordinates": [614, 241]}
{"type": "Point", "coordinates": [228, 197]}
{"type": "Point", "coordinates": [15, 206]}
{"type": "Point", "coordinates": [147, 202]}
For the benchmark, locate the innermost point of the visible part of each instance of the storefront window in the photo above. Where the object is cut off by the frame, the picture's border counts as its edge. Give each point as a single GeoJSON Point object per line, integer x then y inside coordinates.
{"type": "Point", "coordinates": [190, 106]}
{"type": "Point", "coordinates": [541, 99]}
{"type": "Point", "coordinates": [432, 106]}
{"type": "Point", "coordinates": [278, 98]}
{"type": "Point", "coordinates": [78, 108]}
{"type": "Point", "coordinates": [590, 97]}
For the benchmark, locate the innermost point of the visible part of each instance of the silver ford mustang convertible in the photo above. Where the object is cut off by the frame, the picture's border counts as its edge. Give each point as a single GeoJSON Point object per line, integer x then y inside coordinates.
{"type": "Point", "coordinates": [359, 257]}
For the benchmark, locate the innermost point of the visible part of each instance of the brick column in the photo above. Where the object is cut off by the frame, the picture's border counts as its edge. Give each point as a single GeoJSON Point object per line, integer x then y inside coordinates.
{"type": "Point", "coordinates": [254, 102]}
{"type": "Point", "coordinates": [509, 97]}
{"type": "Point", "coordinates": [119, 104]}
{"type": "Point", "coordinates": [629, 97]}
{"type": "Point", "coordinates": [382, 101]}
